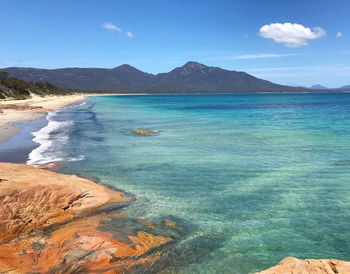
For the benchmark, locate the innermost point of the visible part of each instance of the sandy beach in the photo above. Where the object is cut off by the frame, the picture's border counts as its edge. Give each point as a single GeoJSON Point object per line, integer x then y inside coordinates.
{"type": "Point", "coordinates": [18, 111]}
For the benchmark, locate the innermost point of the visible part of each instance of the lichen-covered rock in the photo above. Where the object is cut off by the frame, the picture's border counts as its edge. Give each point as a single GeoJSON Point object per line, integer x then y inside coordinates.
{"type": "Point", "coordinates": [291, 265]}
{"type": "Point", "coordinates": [81, 245]}
{"type": "Point", "coordinates": [34, 199]}
{"type": "Point", "coordinates": [54, 223]}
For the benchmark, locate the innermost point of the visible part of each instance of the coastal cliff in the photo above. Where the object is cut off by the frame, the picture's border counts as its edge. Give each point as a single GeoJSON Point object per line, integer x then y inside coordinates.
{"type": "Point", "coordinates": [57, 223]}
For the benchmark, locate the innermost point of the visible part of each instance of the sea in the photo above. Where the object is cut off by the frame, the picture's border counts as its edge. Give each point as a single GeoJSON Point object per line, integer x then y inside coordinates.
{"type": "Point", "coordinates": [252, 178]}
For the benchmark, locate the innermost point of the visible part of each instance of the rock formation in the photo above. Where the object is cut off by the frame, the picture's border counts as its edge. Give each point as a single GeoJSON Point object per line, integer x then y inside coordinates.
{"type": "Point", "coordinates": [63, 224]}
{"type": "Point", "coordinates": [144, 132]}
{"type": "Point", "coordinates": [291, 265]}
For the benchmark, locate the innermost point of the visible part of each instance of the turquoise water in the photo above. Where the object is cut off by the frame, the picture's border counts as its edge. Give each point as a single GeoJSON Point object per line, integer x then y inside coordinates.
{"type": "Point", "coordinates": [253, 178]}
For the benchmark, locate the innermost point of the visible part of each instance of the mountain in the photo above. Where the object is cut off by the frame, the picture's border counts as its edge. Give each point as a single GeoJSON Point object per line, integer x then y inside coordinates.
{"type": "Point", "coordinates": [318, 86]}
{"type": "Point", "coordinates": [119, 78]}
{"type": "Point", "coordinates": [190, 78]}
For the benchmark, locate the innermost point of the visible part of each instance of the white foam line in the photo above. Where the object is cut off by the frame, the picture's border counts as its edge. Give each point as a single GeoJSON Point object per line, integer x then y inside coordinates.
{"type": "Point", "coordinates": [43, 137]}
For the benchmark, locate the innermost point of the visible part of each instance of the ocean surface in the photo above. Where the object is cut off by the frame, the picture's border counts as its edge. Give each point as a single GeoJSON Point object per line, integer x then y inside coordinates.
{"type": "Point", "coordinates": [252, 178]}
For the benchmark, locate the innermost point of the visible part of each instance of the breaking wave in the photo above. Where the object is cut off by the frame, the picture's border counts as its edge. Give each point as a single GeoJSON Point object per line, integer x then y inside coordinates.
{"type": "Point", "coordinates": [51, 140]}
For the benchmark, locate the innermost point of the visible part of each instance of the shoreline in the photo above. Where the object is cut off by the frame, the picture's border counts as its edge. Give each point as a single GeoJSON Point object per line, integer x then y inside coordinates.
{"type": "Point", "coordinates": [13, 112]}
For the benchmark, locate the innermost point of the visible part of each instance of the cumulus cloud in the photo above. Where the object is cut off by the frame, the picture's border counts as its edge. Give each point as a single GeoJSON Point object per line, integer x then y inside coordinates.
{"type": "Point", "coordinates": [339, 34]}
{"type": "Point", "coordinates": [129, 34]}
{"type": "Point", "coordinates": [291, 35]}
{"type": "Point", "coordinates": [110, 26]}
{"type": "Point", "coordinates": [261, 55]}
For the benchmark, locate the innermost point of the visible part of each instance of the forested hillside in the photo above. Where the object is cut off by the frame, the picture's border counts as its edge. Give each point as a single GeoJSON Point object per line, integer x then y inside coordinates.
{"type": "Point", "coordinates": [11, 87]}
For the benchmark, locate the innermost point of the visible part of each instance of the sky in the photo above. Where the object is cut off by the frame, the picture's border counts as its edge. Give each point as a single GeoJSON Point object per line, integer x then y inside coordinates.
{"type": "Point", "coordinates": [299, 43]}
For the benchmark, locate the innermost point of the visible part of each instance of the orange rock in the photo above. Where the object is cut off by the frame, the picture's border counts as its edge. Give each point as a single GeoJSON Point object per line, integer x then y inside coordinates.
{"type": "Point", "coordinates": [145, 132]}
{"type": "Point", "coordinates": [33, 199]}
{"type": "Point", "coordinates": [78, 238]}
{"type": "Point", "coordinates": [79, 246]}
{"type": "Point", "coordinates": [296, 266]}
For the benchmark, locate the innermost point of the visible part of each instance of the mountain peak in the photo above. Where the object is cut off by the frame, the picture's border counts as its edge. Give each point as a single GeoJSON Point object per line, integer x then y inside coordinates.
{"type": "Point", "coordinates": [194, 65]}
{"type": "Point", "coordinates": [125, 67]}
{"type": "Point", "coordinates": [318, 86]}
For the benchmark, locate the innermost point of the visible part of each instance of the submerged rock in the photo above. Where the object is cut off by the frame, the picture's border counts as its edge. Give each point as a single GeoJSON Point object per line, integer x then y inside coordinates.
{"type": "Point", "coordinates": [144, 132]}
{"type": "Point", "coordinates": [322, 266]}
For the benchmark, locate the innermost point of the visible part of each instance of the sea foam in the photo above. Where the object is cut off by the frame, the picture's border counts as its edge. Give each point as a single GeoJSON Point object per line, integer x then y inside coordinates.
{"type": "Point", "coordinates": [51, 140]}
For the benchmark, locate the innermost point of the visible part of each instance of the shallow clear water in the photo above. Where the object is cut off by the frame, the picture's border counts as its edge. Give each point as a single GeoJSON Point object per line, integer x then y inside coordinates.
{"type": "Point", "coordinates": [254, 177]}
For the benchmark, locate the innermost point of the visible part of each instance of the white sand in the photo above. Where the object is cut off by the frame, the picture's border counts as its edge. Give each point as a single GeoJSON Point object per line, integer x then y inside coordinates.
{"type": "Point", "coordinates": [10, 116]}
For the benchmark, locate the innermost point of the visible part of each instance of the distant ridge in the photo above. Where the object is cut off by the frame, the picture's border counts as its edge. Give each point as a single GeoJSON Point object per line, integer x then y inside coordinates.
{"type": "Point", "coordinates": [318, 86]}
{"type": "Point", "coordinates": [192, 77]}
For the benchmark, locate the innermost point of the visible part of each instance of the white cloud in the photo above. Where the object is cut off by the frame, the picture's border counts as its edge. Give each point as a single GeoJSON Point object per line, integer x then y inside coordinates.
{"type": "Point", "coordinates": [261, 55]}
{"type": "Point", "coordinates": [110, 26]}
{"type": "Point", "coordinates": [339, 34]}
{"type": "Point", "coordinates": [129, 34]}
{"type": "Point", "coordinates": [291, 35]}
{"type": "Point", "coordinates": [113, 27]}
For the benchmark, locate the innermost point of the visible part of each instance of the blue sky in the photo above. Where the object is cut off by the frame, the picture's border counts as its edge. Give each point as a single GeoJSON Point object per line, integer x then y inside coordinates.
{"type": "Point", "coordinates": [290, 42]}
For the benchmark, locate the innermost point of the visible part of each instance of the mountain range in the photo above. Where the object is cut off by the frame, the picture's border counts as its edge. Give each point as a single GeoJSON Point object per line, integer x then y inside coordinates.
{"type": "Point", "coordinates": [192, 77]}
{"type": "Point", "coordinates": [319, 87]}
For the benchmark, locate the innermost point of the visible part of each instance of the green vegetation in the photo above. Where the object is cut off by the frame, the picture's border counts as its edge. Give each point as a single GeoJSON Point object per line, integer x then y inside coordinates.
{"type": "Point", "coordinates": [11, 87]}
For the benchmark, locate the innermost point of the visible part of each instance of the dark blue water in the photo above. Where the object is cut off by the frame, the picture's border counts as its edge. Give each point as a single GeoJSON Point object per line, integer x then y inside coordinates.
{"type": "Point", "coordinates": [255, 177]}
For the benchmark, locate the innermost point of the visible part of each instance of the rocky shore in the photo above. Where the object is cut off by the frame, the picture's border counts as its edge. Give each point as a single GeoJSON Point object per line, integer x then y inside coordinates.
{"type": "Point", "coordinates": [57, 223]}
{"type": "Point", "coordinates": [290, 265]}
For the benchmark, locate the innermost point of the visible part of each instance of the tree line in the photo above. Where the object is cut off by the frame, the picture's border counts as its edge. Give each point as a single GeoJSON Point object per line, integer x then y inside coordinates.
{"type": "Point", "coordinates": [17, 88]}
